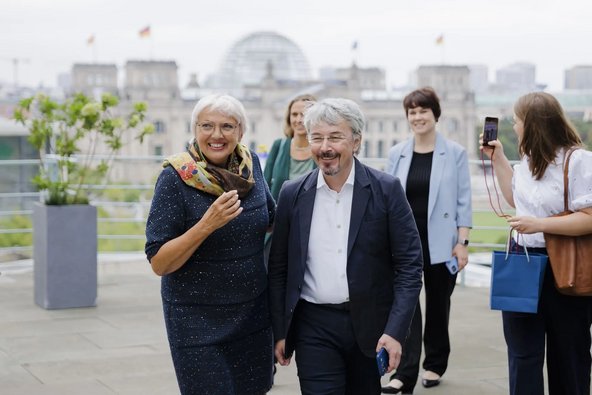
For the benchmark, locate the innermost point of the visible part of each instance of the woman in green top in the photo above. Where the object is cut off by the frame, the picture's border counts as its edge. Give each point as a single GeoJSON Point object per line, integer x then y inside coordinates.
{"type": "Point", "coordinates": [290, 156]}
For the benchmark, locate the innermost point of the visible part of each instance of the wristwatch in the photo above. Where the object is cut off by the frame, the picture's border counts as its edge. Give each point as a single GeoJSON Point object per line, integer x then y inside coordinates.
{"type": "Point", "coordinates": [464, 242]}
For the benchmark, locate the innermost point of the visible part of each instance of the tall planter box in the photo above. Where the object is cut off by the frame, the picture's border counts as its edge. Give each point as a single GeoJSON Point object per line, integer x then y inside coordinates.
{"type": "Point", "coordinates": [65, 255]}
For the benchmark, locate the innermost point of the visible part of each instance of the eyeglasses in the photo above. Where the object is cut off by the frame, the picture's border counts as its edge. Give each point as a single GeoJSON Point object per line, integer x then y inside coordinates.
{"type": "Point", "coordinates": [319, 140]}
{"type": "Point", "coordinates": [226, 127]}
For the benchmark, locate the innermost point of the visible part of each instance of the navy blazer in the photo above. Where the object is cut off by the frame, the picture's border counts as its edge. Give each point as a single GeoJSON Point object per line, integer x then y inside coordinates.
{"type": "Point", "coordinates": [384, 263]}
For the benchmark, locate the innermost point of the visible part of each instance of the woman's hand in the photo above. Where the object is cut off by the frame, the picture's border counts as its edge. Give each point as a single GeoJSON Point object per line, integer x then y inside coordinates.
{"type": "Point", "coordinates": [526, 225]}
{"type": "Point", "coordinates": [461, 252]}
{"type": "Point", "coordinates": [493, 146]}
{"type": "Point", "coordinates": [174, 253]}
{"type": "Point", "coordinates": [223, 210]}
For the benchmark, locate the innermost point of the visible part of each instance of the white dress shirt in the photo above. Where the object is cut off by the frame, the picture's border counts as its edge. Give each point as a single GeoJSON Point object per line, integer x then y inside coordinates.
{"type": "Point", "coordinates": [544, 197]}
{"type": "Point", "coordinates": [325, 277]}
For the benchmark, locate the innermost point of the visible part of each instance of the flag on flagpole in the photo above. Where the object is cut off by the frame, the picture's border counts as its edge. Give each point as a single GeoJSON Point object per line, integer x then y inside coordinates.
{"type": "Point", "coordinates": [145, 32]}
{"type": "Point", "coordinates": [90, 40]}
{"type": "Point", "coordinates": [440, 39]}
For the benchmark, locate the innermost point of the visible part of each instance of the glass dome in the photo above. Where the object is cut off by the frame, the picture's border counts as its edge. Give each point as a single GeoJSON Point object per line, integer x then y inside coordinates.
{"type": "Point", "coordinates": [250, 59]}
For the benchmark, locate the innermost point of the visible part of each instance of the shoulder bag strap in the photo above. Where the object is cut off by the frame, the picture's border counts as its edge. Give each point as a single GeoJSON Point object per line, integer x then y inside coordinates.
{"type": "Point", "coordinates": [565, 176]}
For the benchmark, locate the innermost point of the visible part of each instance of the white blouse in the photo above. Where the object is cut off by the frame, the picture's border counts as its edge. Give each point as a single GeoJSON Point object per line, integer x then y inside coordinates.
{"type": "Point", "coordinates": [544, 197]}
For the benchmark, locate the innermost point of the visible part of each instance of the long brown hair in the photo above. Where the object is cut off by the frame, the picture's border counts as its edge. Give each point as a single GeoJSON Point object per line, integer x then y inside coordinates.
{"type": "Point", "coordinates": [546, 129]}
{"type": "Point", "coordinates": [288, 131]}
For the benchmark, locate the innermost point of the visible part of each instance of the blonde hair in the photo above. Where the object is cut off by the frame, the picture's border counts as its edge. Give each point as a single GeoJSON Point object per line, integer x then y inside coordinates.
{"type": "Point", "coordinates": [288, 131]}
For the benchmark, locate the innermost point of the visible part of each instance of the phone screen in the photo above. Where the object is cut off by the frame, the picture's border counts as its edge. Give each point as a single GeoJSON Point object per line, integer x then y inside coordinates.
{"type": "Point", "coordinates": [490, 129]}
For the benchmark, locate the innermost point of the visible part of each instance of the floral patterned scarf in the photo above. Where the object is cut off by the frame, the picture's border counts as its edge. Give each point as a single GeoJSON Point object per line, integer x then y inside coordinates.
{"type": "Point", "coordinates": [196, 172]}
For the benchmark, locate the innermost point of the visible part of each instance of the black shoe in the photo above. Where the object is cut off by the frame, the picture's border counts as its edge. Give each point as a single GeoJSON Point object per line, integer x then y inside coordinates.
{"type": "Point", "coordinates": [392, 390]}
{"type": "Point", "coordinates": [430, 383]}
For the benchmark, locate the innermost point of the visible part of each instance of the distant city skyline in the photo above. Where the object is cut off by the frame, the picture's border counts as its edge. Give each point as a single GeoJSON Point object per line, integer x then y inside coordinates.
{"type": "Point", "coordinates": [47, 37]}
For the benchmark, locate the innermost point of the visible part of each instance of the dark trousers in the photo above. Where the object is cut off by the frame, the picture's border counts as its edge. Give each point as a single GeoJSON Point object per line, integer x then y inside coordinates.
{"type": "Point", "coordinates": [438, 287]}
{"type": "Point", "coordinates": [328, 358]}
{"type": "Point", "coordinates": [565, 323]}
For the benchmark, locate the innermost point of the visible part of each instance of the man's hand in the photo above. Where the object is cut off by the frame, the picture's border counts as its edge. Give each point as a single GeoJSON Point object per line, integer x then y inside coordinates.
{"type": "Point", "coordinates": [280, 352]}
{"type": "Point", "coordinates": [393, 348]}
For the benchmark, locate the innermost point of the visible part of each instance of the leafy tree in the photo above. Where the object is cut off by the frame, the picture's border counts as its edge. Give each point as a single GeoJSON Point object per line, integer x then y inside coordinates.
{"type": "Point", "coordinates": [63, 128]}
{"type": "Point", "coordinates": [585, 130]}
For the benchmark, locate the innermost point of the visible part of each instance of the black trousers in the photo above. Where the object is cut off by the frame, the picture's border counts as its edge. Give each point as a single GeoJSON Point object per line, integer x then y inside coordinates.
{"type": "Point", "coordinates": [328, 358]}
{"type": "Point", "coordinates": [438, 287]}
{"type": "Point", "coordinates": [564, 322]}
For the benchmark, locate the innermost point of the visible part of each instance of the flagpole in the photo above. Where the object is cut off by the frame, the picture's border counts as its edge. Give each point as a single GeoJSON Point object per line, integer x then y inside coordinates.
{"type": "Point", "coordinates": [151, 47]}
{"type": "Point", "coordinates": [354, 51]}
{"type": "Point", "coordinates": [91, 42]}
{"type": "Point", "coordinates": [147, 33]}
{"type": "Point", "coordinates": [440, 42]}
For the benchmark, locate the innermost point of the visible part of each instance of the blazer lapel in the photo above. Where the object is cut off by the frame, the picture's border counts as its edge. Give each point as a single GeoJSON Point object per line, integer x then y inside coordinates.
{"type": "Point", "coordinates": [305, 205]}
{"type": "Point", "coordinates": [360, 199]}
{"type": "Point", "coordinates": [438, 163]}
{"type": "Point", "coordinates": [405, 162]}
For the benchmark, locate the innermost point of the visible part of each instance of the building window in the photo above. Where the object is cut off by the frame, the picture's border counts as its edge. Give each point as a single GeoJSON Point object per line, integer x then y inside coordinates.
{"type": "Point", "coordinates": [380, 149]}
{"type": "Point", "coordinates": [253, 127]}
{"type": "Point", "coordinates": [158, 150]}
{"type": "Point", "coordinates": [366, 150]}
{"type": "Point", "coordinates": [452, 125]}
{"type": "Point", "coordinates": [159, 127]}
{"type": "Point", "coordinates": [188, 130]}
{"type": "Point", "coordinates": [395, 126]}
{"type": "Point", "coordinates": [380, 126]}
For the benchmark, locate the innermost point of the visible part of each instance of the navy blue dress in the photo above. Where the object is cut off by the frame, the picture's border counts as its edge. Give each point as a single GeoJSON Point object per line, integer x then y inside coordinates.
{"type": "Point", "coordinates": [215, 306]}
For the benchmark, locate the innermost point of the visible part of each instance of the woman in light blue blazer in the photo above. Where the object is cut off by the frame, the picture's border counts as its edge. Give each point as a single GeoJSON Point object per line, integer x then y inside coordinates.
{"type": "Point", "coordinates": [435, 174]}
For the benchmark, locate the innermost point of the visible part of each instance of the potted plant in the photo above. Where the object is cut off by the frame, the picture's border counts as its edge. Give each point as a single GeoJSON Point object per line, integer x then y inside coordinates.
{"type": "Point", "coordinates": [69, 136]}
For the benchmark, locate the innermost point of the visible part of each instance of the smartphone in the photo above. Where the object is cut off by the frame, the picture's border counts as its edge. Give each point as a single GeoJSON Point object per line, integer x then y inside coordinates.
{"type": "Point", "coordinates": [382, 360]}
{"type": "Point", "coordinates": [452, 265]}
{"type": "Point", "coordinates": [490, 130]}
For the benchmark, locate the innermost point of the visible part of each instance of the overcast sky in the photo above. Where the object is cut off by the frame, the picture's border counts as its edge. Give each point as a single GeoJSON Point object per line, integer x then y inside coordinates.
{"type": "Point", "coordinates": [48, 36]}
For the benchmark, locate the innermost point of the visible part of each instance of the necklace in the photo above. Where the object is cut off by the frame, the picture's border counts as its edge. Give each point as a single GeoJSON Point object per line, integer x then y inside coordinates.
{"type": "Point", "coordinates": [297, 148]}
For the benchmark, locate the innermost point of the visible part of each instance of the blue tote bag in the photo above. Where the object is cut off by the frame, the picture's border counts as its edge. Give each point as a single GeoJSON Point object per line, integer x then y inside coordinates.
{"type": "Point", "coordinates": [517, 280]}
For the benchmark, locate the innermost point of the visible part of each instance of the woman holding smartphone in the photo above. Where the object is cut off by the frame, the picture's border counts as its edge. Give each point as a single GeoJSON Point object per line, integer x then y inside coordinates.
{"type": "Point", "coordinates": [561, 327]}
{"type": "Point", "coordinates": [435, 174]}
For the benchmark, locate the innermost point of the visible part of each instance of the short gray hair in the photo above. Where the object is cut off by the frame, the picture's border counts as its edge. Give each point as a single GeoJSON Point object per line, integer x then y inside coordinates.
{"type": "Point", "coordinates": [224, 104]}
{"type": "Point", "coordinates": [333, 111]}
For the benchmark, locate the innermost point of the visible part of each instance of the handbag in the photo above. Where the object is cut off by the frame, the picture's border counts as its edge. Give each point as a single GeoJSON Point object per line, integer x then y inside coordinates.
{"type": "Point", "coordinates": [570, 256]}
{"type": "Point", "coordinates": [516, 280]}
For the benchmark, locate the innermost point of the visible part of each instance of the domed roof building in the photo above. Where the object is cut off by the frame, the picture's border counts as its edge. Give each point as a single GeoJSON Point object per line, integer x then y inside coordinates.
{"type": "Point", "coordinates": [258, 55]}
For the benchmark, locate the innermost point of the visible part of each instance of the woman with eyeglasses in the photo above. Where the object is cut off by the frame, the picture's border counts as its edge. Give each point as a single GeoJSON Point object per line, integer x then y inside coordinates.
{"type": "Point", "coordinates": [435, 174]}
{"type": "Point", "coordinates": [205, 234]}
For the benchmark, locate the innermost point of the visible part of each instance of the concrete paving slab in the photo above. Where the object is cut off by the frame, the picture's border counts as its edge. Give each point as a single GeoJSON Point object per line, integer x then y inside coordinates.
{"type": "Point", "coordinates": [120, 346]}
{"type": "Point", "coordinates": [99, 367]}
{"type": "Point", "coordinates": [47, 347]}
{"type": "Point", "coordinates": [74, 388]}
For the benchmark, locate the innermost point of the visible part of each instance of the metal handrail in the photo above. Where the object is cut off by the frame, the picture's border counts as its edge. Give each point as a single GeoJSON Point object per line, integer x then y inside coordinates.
{"type": "Point", "coordinates": [375, 162]}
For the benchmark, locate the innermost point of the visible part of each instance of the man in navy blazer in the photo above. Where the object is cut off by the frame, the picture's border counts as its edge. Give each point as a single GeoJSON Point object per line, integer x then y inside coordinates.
{"type": "Point", "coordinates": [345, 264]}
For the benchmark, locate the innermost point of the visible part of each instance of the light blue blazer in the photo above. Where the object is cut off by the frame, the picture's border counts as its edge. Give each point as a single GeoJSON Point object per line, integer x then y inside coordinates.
{"type": "Point", "coordinates": [449, 204]}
